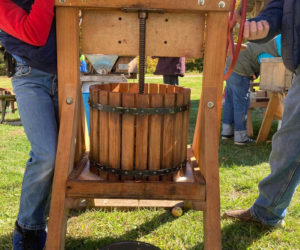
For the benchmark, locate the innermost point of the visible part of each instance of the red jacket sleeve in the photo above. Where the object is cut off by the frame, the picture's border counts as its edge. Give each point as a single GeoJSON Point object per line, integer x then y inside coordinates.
{"type": "Point", "coordinates": [33, 27]}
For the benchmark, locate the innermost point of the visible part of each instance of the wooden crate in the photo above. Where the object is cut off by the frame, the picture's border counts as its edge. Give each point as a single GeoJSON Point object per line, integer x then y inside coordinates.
{"type": "Point", "coordinates": [138, 142]}
{"type": "Point", "coordinates": [274, 76]}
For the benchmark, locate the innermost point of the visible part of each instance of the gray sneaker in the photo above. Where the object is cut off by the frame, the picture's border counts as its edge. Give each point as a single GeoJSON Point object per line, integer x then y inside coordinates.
{"type": "Point", "coordinates": [247, 142]}
{"type": "Point", "coordinates": [226, 137]}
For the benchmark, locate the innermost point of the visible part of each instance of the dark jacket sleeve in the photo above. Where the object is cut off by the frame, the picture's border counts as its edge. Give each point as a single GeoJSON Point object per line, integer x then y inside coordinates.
{"type": "Point", "coordinates": [272, 13]}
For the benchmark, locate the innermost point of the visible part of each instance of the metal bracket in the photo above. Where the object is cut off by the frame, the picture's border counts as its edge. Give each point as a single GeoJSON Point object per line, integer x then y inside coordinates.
{"type": "Point", "coordinates": [137, 173]}
{"type": "Point", "coordinates": [143, 10]}
{"type": "Point", "coordinates": [138, 111]}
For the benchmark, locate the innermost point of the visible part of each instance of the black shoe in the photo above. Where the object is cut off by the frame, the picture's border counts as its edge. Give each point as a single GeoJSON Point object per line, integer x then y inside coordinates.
{"type": "Point", "coordinates": [28, 239]}
{"type": "Point", "coordinates": [226, 137]}
{"type": "Point", "coordinates": [247, 142]}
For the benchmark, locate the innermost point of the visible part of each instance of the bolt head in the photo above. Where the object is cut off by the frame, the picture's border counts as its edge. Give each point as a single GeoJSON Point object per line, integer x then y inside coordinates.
{"type": "Point", "coordinates": [222, 4]}
{"type": "Point", "coordinates": [210, 105]}
{"type": "Point", "coordinates": [201, 2]}
{"type": "Point", "coordinates": [69, 100]}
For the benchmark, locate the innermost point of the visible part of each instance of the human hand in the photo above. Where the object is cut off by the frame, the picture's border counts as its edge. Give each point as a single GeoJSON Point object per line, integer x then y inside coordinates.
{"type": "Point", "coordinates": [256, 30]}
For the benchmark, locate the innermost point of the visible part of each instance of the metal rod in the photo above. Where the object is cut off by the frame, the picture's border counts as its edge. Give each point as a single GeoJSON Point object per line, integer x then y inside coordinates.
{"type": "Point", "coordinates": [142, 48]}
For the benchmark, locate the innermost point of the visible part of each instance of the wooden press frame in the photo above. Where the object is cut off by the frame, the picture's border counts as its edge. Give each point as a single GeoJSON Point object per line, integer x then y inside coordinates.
{"type": "Point", "coordinates": [71, 141]}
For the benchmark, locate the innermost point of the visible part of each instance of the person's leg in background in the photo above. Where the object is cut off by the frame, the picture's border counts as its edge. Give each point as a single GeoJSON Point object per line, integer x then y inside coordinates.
{"type": "Point", "coordinates": [36, 94]}
{"type": "Point", "coordinates": [241, 101]}
{"type": "Point", "coordinates": [171, 79]}
{"type": "Point", "coordinates": [227, 122]}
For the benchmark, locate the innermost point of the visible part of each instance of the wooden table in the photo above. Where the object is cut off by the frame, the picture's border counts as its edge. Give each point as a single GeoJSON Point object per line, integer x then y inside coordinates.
{"type": "Point", "coordinates": [6, 97]}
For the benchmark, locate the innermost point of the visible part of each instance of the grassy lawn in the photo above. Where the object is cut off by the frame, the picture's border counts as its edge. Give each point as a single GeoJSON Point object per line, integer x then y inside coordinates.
{"type": "Point", "coordinates": [241, 168]}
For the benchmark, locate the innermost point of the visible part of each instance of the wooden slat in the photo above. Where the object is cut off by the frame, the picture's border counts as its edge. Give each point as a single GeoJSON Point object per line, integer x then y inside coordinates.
{"type": "Point", "coordinates": [213, 75]}
{"type": "Point", "coordinates": [197, 132]}
{"type": "Point", "coordinates": [153, 88]}
{"type": "Point", "coordinates": [185, 125]}
{"type": "Point", "coordinates": [142, 126]}
{"type": "Point", "coordinates": [123, 87]}
{"type": "Point", "coordinates": [79, 136]}
{"type": "Point", "coordinates": [187, 5]}
{"type": "Point", "coordinates": [115, 32]}
{"type": "Point", "coordinates": [162, 88]}
{"type": "Point", "coordinates": [94, 153]}
{"type": "Point", "coordinates": [80, 166]}
{"type": "Point", "coordinates": [115, 87]}
{"type": "Point", "coordinates": [127, 204]}
{"type": "Point", "coordinates": [68, 86]}
{"type": "Point", "coordinates": [155, 131]}
{"type": "Point", "coordinates": [170, 88]}
{"type": "Point", "coordinates": [91, 88]}
{"type": "Point", "coordinates": [178, 132]}
{"type": "Point", "coordinates": [128, 122]}
{"type": "Point", "coordinates": [133, 88]}
{"type": "Point", "coordinates": [168, 136]}
{"type": "Point", "coordinates": [103, 132]}
{"type": "Point", "coordinates": [266, 124]}
{"type": "Point", "coordinates": [136, 190]}
{"type": "Point", "coordinates": [114, 135]}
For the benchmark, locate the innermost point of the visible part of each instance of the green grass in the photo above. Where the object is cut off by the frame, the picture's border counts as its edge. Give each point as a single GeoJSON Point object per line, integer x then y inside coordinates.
{"type": "Point", "coordinates": [241, 168]}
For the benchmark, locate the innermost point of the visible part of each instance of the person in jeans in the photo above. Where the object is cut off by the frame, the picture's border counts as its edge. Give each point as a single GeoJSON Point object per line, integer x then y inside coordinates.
{"type": "Point", "coordinates": [28, 34]}
{"type": "Point", "coordinates": [237, 91]}
{"type": "Point", "coordinates": [170, 68]}
{"type": "Point", "coordinates": [277, 189]}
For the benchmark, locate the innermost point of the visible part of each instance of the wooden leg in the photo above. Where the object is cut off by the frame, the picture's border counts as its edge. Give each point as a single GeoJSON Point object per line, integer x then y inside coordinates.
{"type": "Point", "coordinates": [268, 118]}
{"type": "Point", "coordinates": [69, 93]}
{"type": "Point", "coordinates": [211, 103]}
{"type": "Point", "coordinates": [3, 111]}
{"type": "Point", "coordinates": [249, 123]}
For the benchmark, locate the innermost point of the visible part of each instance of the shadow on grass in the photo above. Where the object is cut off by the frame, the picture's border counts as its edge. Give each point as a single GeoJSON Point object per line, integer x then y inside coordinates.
{"type": "Point", "coordinates": [248, 155]}
{"type": "Point", "coordinates": [13, 122]}
{"type": "Point", "coordinates": [6, 241]}
{"type": "Point", "coordinates": [239, 235]}
{"type": "Point", "coordinates": [85, 243]}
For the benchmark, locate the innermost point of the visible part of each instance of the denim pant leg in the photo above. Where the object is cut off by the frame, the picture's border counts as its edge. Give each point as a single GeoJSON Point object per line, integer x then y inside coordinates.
{"type": "Point", "coordinates": [227, 122]}
{"type": "Point", "coordinates": [237, 101]}
{"type": "Point", "coordinates": [36, 94]}
{"type": "Point", "coordinates": [171, 79]}
{"type": "Point", "coordinates": [277, 189]}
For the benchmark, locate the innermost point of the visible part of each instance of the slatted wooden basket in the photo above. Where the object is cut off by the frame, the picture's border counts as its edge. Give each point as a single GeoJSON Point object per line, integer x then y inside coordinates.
{"type": "Point", "coordinates": [134, 134]}
{"type": "Point", "coordinates": [274, 75]}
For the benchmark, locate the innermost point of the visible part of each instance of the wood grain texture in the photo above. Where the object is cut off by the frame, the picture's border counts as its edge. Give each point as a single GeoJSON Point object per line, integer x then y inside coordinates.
{"type": "Point", "coordinates": [103, 132]}
{"type": "Point", "coordinates": [274, 107]}
{"type": "Point", "coordinates": [213, 74]}
{"type": "Point", "coordinates": [114, 135]}
{"type": "Point", "coordinates": [136, 190]}
{"type": "Point", "coordinates": [116, 32]}
{"type": "Point", "coordinates": [68, 86]}
{"type": "Point", "coordinates": [128, 135]}
{"type": "Point", "coordinates": [168, 136]}
{"type": "Point", "coordinates": [172, 5]}
{"type": "Point", "coordinates": [142, 134]}
{"type": "Point", "coordinates": [155, 130]}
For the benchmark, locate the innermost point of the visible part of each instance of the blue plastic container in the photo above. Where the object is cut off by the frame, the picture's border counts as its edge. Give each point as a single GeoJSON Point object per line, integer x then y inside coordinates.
{"type": "Point", "coordinates": [85, 96]}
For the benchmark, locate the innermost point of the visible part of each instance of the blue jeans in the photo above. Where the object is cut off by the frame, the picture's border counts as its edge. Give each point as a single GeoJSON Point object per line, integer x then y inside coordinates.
{"type": "Point", "coordinates": [36, 94]}
{"type": "Point", "coordinates": [237, 101]}
{"type": "Point", "coordinates": [277, 189]}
